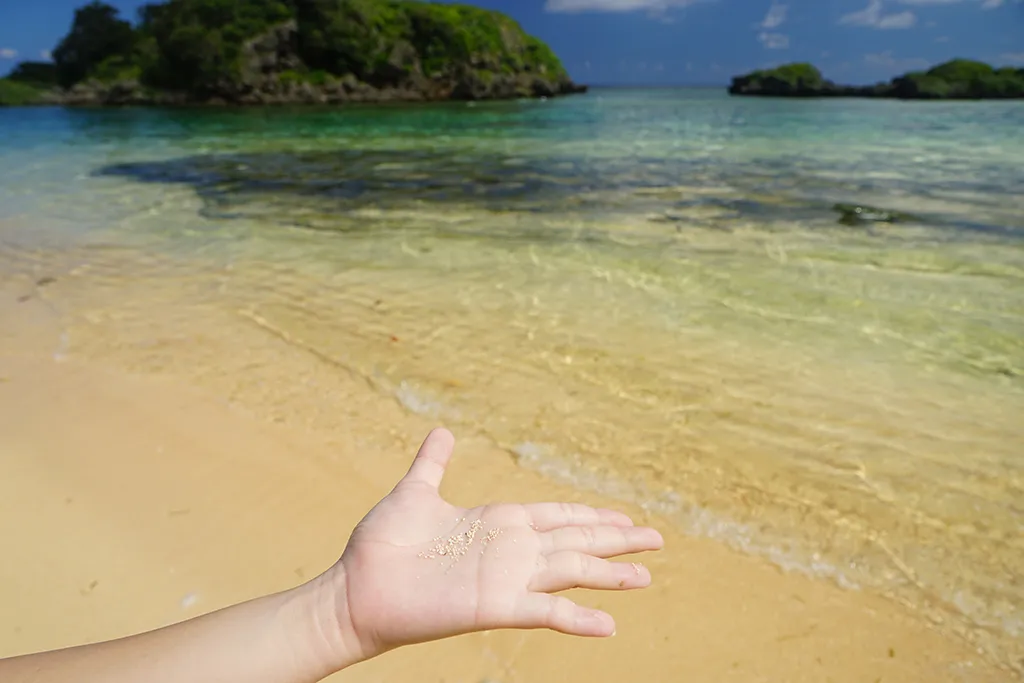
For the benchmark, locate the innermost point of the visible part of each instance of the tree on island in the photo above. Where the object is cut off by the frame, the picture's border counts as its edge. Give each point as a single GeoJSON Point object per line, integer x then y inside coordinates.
{"type": "Point", "coordinates": [956, 79]}
{"type": "Point", "coordinates": [265, 51]}
{"type": "Point", "coordinates": [97, 35]}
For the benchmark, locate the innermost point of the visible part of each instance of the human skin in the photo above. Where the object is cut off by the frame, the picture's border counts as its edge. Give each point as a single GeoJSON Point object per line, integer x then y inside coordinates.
{"type": "Point", "coordinates": [415, 569]}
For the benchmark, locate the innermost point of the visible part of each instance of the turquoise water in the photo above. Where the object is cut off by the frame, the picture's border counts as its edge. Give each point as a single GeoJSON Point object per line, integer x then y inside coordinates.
{"type": "Point", "coordinates": [644, 292]}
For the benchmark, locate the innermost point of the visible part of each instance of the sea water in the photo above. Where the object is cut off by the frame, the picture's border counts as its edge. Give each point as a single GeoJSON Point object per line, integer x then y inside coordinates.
{"type": "Point", "coordinates": [644, 292]}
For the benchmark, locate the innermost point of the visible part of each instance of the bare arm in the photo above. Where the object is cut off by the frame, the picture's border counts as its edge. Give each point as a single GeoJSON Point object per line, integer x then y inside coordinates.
{"type": "Point", "coordinates": [415, 569]}
{"type": "Point", "coordinates": [273, 639]}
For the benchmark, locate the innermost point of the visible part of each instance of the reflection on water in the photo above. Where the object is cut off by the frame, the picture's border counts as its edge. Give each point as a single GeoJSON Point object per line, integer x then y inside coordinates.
{"type": "Point", "coordinates": [641, 292]}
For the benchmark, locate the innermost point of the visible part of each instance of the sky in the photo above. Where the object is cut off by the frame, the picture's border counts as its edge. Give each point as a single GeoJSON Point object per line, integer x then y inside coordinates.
{"type": "Point", "coordinates": [665, 42]}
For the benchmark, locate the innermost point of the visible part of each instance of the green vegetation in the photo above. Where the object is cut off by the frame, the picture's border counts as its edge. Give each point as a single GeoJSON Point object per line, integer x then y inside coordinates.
{"type": "Point", "coordinates": [196, 45]}
{"type": "Point", "coordinates": [14, 93]}
{"type": "Point", "coordinates": [39, 74]}
{"type": "Point", "coordinates": [316, 77]}
{"type": "Point", "coordinates": [380, 41]}
{"type": "Point", "coordinates": [27, 83]}
{"type": "Point", "coordinates": [961, 79]}
{"type": "Point", "coordinates": [229, 49]}
{"type": "Point", "coordinates": [97, 35]}
{"type": "Point", "coordinates": [956, 79]}
{"type": "Point", "coordinates": [788, 78]}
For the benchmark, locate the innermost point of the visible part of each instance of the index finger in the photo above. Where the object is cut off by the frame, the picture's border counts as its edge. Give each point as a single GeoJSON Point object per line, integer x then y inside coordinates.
{"type": "Point", "coordinates": [548, 516]}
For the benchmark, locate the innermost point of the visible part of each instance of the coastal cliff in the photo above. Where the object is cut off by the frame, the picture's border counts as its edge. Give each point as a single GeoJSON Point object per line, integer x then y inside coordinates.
{"type": "Point", "coordinates": [290, 52]}
{"type": "Point", "coordinates": [961, 79]}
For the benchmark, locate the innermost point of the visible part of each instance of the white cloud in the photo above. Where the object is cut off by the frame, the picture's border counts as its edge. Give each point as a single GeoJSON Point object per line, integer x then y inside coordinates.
{"type": "Point", "coordinates": [775, 17]}
{"type": "Point", "coordinates": [773, 41]}
{"type": "Point", "coordinates": [8, 53]}
{"type": "Point", "coordinates": [873, 17]}
{"type": "Point", "coordinates": [900, 20]}
{"type": "Point", "coordinates": [573, 6]}
{"type": "Point", "coordinates": [991, 4]}
{"type": "Point", "coordinates": [942, 39]}
{"type": "Point", "coordinates": [885, 60]}
{"type": "Point", "coordinates": [868, 16]}
{"type": "Point", "coordinates": [1013, 57]}
{"type": "Point", "coordinates": [46, 54]}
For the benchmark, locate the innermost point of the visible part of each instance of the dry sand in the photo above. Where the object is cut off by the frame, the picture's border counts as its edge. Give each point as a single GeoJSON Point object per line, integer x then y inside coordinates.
{"type": "Point", "coordinates": [132, 501]}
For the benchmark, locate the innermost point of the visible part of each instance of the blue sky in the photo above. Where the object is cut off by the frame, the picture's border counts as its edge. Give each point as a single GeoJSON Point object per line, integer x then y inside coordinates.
{"type": "Point", "coordinates": [689, 41]}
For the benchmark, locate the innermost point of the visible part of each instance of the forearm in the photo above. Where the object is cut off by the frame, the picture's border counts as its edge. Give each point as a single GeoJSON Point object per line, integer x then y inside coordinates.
{"type": "Point", "coordinates": [281, 638]}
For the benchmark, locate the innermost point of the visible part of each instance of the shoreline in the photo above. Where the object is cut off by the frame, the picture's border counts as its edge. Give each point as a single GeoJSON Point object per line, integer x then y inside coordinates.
{"type": "Point", "coordinates": [173, 101]}
{"type": "Point", "coordinates": [183, 500]}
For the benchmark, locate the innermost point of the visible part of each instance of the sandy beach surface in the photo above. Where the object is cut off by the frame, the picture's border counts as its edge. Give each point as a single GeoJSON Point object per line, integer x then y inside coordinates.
{"type": "Point", "coordinates": [130, 500]}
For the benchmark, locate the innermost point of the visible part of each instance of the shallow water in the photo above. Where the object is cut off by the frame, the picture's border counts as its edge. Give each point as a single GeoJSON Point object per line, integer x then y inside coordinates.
{"type": "Point", "coordinates": [644, 292]}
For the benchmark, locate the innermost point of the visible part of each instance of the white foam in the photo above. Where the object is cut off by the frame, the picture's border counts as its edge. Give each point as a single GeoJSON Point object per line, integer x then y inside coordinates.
{"type": "Point", "coordinates": [693, 519]}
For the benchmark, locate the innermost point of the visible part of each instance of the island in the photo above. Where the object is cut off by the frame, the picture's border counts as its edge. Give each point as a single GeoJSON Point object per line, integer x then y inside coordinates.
{"type": "Point", "coordinates": [958, 79]}
{"type": "Point", "coordinates": [259, 52]}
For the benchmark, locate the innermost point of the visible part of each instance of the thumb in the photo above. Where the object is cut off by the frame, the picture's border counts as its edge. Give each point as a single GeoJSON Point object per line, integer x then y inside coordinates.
{"type": "Point", "coordinates": [432, 459]}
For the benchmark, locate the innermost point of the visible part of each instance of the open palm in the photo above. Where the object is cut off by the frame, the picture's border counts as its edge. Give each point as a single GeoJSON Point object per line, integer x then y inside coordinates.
{"type": "Point", "coordinates": [417, 568]}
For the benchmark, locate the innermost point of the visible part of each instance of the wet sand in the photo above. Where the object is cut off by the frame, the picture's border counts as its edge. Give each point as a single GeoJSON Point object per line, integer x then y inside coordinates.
{"type": "Point", "coordinates": [129, 500]}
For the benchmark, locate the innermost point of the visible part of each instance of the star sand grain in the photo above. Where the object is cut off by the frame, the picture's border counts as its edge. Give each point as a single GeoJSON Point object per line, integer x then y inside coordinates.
{"type": "Point", "coordinates": [457, 545]}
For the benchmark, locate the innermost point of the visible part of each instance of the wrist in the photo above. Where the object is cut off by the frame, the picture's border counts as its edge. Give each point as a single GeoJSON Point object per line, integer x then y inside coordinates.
{"type": "Point", "coordinates": [326, 636]}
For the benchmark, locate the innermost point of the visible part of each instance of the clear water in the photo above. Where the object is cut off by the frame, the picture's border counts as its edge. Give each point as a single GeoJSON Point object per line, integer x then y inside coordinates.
{"type": "Point", "coordinates": [644, 292]}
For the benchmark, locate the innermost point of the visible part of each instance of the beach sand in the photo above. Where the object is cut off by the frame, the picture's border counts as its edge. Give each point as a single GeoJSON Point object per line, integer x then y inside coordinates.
{"type": "Point", "coordinates": [131, 500]}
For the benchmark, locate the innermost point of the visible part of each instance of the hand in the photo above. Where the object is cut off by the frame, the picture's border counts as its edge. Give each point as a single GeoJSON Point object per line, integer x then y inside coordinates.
{"type": "Point", "coordinates": [417, 568]}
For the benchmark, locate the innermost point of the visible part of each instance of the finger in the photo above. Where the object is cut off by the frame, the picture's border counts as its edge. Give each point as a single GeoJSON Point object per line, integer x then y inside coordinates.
{"type": "Point", "coordinates": [537, 610]}
{"type": "Point", "coordinates": [548, 516]}
{"type": "Point", "coordinates": [569, 569]}
{"type": "Point", "coordinates": [432, 459]}
{"type": "Point", "coordinates": [601, 541]}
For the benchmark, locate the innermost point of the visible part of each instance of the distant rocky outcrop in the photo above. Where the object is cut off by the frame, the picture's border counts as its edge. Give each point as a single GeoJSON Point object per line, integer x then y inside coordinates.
{"type": "Point", "coordinates": [956, 79]}
{"type": "Point", "coordinates": [298, 51]}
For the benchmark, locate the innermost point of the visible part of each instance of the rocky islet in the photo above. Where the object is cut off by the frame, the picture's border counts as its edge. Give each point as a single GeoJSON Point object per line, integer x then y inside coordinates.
{"type": "Point", "coordinates": [961, 79]}
{"type": "Point", "coordinates": [290, 52]}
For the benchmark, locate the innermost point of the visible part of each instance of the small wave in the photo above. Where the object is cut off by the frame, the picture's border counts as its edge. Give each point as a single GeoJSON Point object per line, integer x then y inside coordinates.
{"type": "Point", "coordinates": [419, 403]}
{"type": "Point", "coordinates": [692, 519]}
